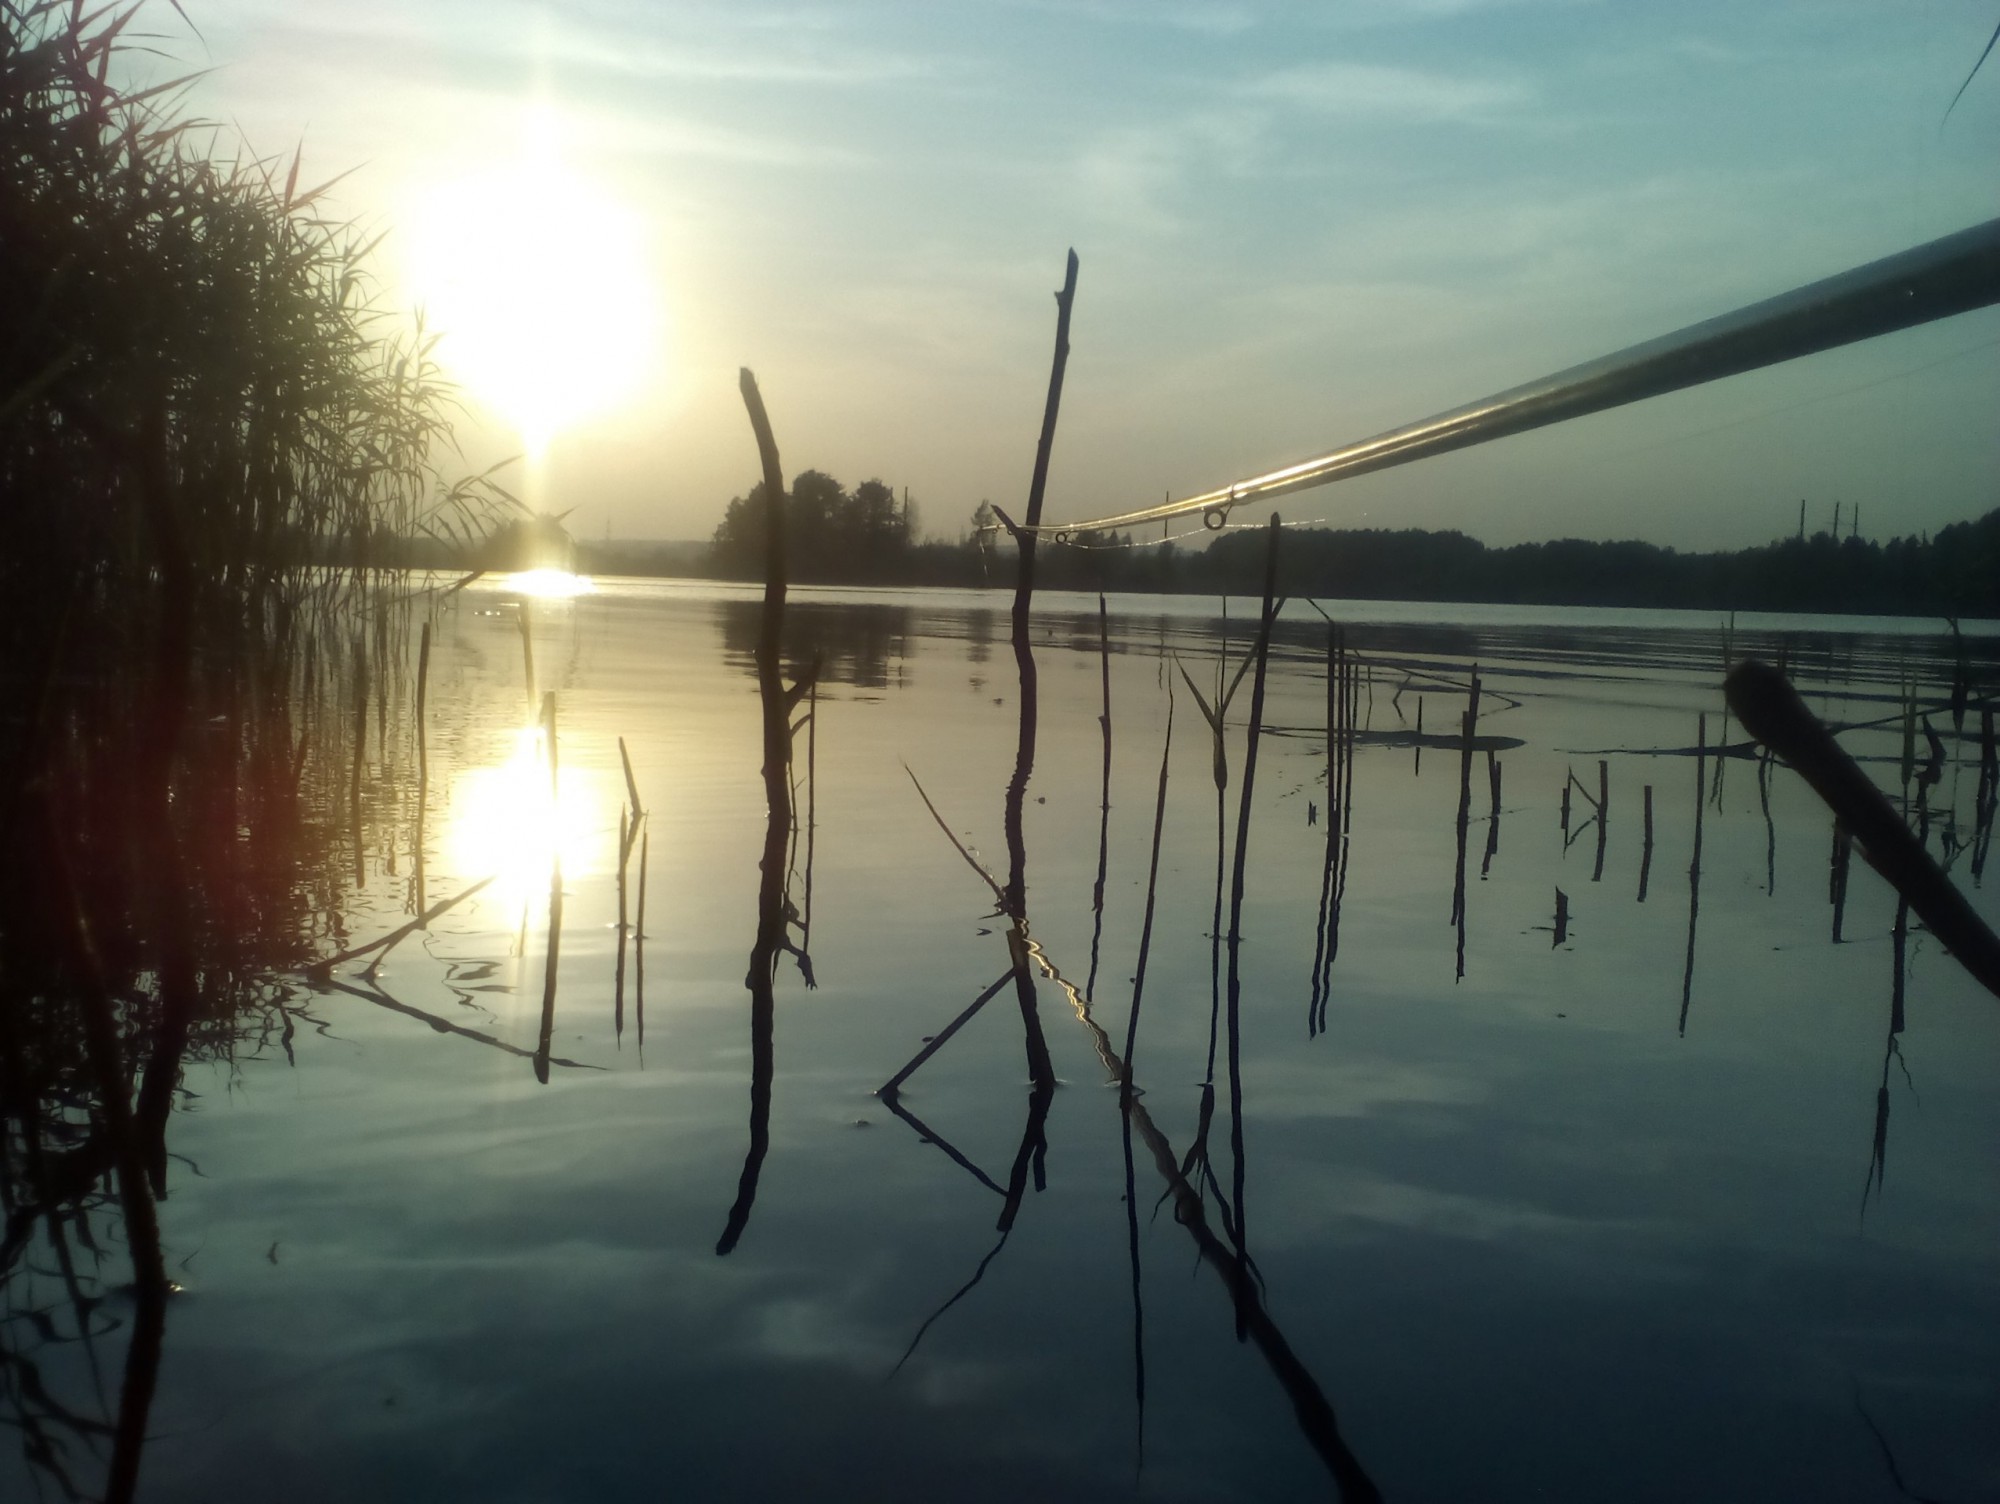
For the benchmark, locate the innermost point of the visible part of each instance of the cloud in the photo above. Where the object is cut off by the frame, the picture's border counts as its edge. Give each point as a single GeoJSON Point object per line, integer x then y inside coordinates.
{"type": "Point", "coordinates": [666, 58]}
{"type": "Point", "coordinates": [1204, 18]}
{"type": "Point", "coordinates": [1373, 91]}
{"type": "Point", "coordinates": [671, 136]}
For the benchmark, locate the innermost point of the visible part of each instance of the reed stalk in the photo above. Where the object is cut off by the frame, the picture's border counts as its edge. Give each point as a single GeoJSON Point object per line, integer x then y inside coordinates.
{"type": "Point", "coordinates": [1603, 812]}
{"type": "Point", "coordinates": [553, 955]}
{"type": "Point", "coordinates": [1104, 793]}
{"type": "Point", "coordinates": [1646, 851]}
{"type": "Point", "coordinates": [639, 942]}
{"type": "Point", "coordinates": [1468, 729]}
{"type": "Point", "coordinates": [423, 769]}
{"type": "Point", "coordinates": [1260, 656]}
{"type": "Point", "coordinates": [1694, 865]}
{"type": "Point", "coordinates": [1493, 814]}
{"type": "Point", "coordinates": [625, 832]}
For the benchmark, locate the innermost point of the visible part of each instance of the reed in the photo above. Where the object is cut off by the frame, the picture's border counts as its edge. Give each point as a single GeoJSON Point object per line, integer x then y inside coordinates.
{"type": "Point", "coordinates": [1838, 863]}
{"type": "Point", "coordinates": [1333, 871]}
{"type": "Point", "coordinates": [1770, 825]}
{"type": "Point", "coordinates": [1646, 851]}
{"type": "Point", "coordinates": [1468, 728]}
{"type": "Point", "coordinates": [625, 833]}
{"type": "Point", "coordinates": [197, 386]}
{"type": "Point", "coordinates": [1104, 793]}
{"type": "Point", "coordinates": [1987, 795]}
{"type": "Point", "coordinates": [1493, 814]}
{"type": "Point", "coordinates": [1217, 717]}
{"type": "Point", "coordinates": [1603, 817]}
{"type": "Point", "coordinates": [1126, 1090]}
{"type": "Point", "coordinates": [423, 770]}
{"type": "Point", "coordinates": [1312, 1411]}
{"type": "Point", "coordinates": [553, 954]}
{"type": "Point", "coordinates": [1694, 865]}
{"type": "Point", "coordinates": [218, 429]}
{"type": "Point", "coordinates": [360, 758]}
{"type": "Point", "coordinates": [639, 941]}
{"type": "Point", "coordinates": [521, 620]}
{"type": "Point", "coordinates": [1260, 656]}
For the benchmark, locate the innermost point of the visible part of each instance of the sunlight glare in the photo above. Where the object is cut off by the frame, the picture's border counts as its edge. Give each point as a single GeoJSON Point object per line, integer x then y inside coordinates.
{"type": "Point", "coordinates": [506, 822]}
{"type": "Point", "coordinates": [536, 280]}
{"type": "Point", "coordinates": [548, 584]}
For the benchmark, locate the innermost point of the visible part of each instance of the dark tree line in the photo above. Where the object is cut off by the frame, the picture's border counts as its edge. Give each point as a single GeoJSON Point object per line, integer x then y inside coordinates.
{"type": "Point", "coordinates": [864, 537]}
{"type": "Point", "coordinates": [832, 535]}
{"type": "Point", "coordinates": [1955, 573]}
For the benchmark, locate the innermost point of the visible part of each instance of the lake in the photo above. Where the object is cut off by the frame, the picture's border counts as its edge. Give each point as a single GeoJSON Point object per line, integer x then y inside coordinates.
{"type": "Point", "coordinates": [1582, 1128]}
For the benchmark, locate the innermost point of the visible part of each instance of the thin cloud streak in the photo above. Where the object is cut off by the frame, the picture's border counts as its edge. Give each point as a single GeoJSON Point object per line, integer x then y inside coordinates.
{"type": "Point", "coordinates": [1376, 92]}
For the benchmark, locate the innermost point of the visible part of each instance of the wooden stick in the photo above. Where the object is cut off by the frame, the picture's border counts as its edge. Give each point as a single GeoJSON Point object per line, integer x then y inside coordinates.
{"type": "Point", "coordinates": [423, 763]}
{"type": "Point", "coordinates": [1770, 708]}
{"type": "Point", "coordinates": [394, 937]}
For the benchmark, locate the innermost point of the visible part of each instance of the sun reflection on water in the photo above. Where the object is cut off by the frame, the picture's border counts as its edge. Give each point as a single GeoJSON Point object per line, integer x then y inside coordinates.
{"type": "Point", "coordinates": [507, 822]}
{"type": "Point", "coordinates": [548, 584]}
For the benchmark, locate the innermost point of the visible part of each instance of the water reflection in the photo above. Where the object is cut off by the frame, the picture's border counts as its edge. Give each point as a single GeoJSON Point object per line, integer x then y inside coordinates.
{"type": "Point", "coordinates": [506, 818]}
{"type": "Point", "coordinates": [1190, 1179]}
{"type": "Point", "coordinates": [777, 914]}
{"type": "Point", "coordinates": [174, 822]}
{"type": "Point", "coordinates": [547, 584]}
{"type": "Point", "coordinates": [863, 644]}
{"type": "Point", "coordinates": [1469, 1102]}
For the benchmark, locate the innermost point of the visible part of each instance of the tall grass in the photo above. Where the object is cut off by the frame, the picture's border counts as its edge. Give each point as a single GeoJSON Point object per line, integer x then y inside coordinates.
{"type": "Point", "coordinates": [208, 432]}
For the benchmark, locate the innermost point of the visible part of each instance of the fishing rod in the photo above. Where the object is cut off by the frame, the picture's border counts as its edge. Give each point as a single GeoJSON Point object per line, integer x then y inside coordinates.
{"type": "Point", "coordinates": [1953, 275]}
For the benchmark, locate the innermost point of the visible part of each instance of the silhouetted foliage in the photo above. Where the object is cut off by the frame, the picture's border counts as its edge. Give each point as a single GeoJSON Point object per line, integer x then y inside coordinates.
{"type": "Point", "coordinates": [1956, 573]}
{"type": "Point", "coordinates": [831, 534]}
{"type": "Point", "coordinates": [856, 539]}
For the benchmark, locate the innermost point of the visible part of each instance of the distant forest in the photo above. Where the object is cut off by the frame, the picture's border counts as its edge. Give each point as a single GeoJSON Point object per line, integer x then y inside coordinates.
{"type": "Point", "coordinates": [867, 537]}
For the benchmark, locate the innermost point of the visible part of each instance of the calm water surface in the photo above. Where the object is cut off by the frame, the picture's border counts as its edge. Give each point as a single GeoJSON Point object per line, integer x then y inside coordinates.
{"type": "Point", "coordinates": [1609, 1181]}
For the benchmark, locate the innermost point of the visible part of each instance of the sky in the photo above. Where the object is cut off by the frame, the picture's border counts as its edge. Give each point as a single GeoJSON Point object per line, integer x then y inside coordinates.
{"type": "Point", "coordinates": [1298, 224]}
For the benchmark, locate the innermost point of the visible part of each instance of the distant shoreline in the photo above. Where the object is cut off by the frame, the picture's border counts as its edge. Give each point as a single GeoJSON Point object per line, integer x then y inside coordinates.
{"type": "Point", "coordinates": [1954, 574]}
{"type": "Point", "coordinates": [1366, 611]}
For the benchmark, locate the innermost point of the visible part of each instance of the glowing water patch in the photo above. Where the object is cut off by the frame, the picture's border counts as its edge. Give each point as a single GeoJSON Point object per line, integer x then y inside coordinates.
{"type": "Point", "coordinates": [507, 821]}
{"type": "Point", "coordinates": [549, 584]}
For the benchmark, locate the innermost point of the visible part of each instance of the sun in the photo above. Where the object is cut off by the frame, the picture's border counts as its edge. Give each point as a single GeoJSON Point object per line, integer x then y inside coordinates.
{"type": "Point", "coordinates": [536, 280]}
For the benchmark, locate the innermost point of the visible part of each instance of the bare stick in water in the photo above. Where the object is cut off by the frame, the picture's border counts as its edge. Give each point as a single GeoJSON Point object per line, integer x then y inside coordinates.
{"type": "Point", "coordinates": [554, 955]}
{"type": "Point", "coordinates": [394, 937]}
{"type": "Point", "coordinates": [1236, 884]}
{"type": "Point", "coordinates": [639, 942]}
{"type": "Point", "coordinates": [1694, 865]}
{"type": "Point", "coordinates": [527, 650]}
{"type": "Point", "coordinates": [959, 846]}
{"type": "Point", "coordinates": [1771, 710]}
{"type": "Point", "coordinates": [777, 752]}
{"type": "Point", "coordinates": [631, 784]}
{"type": "Point", "coordinates": [1015, 898]}
{"type": "Point", "coordinates": [1646, 856]}
{"type": "Point", "coordinates": [423, 765]}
